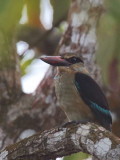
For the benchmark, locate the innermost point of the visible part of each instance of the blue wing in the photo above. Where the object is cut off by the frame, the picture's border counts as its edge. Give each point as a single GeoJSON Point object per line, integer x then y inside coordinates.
{"type": "Point", "coordinates": [93, 96]}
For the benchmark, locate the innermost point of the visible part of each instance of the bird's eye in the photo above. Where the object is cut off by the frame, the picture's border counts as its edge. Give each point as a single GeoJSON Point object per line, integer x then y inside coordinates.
{"type": "Point", "coordinates": [74, 60]}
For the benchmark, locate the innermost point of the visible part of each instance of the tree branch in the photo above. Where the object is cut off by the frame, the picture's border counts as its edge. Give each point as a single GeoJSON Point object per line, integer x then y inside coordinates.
{"type": "Point", "coordinates": [59, 142]}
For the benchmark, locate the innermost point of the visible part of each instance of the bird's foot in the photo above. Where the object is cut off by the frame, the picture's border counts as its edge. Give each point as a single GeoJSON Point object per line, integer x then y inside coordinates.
{"type": "Point", "coordinates": [68, 124]}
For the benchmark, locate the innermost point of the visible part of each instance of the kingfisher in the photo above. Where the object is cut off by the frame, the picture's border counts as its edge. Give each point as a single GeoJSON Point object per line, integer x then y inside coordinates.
{"type": "Point", "coordinates": [79, 95]}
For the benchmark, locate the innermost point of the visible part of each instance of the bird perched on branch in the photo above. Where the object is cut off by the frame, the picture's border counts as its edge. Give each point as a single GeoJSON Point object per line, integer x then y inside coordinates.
{"type": "Point", "coordinates": [79, 95]}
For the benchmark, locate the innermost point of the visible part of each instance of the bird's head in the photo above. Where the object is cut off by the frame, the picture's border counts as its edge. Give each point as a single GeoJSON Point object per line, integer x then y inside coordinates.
{"type": "Point", "coordinates": [66, 61]}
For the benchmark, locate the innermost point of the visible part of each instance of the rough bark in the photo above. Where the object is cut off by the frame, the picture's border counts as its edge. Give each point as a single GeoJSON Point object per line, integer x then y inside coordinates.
{"type": "Point", "coordinates": [60, 142]}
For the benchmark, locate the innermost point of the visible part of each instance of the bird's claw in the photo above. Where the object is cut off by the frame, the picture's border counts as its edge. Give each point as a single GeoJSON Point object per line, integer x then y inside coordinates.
{"type": "Point", "coordinates": [68, 124]}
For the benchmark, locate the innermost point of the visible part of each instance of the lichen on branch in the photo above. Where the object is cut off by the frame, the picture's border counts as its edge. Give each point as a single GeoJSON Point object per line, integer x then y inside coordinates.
{"type": "Point", "coordinates": [58, 142]}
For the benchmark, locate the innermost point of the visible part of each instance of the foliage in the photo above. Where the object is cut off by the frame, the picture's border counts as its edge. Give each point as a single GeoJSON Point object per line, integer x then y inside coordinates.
{"type": "Point", "coordinates": [25, 65]}
{"type": "Point", "coordinates": [77, 156]}
{"type": "Point", "coordinates": [109, 38]}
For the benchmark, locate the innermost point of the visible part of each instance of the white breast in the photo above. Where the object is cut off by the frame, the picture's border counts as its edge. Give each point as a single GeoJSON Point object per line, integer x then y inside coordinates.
{"type": "Point", "coordinates": [69, 98]}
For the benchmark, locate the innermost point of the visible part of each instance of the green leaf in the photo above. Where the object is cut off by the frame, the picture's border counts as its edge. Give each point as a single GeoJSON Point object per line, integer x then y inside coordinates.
{"type": "Point", "coordinates": [114, 8]}
{"type": "Point", "coordinates": [10, 13]}
{"type": "Point", "coordinates": [77, 156]}
{"type": "Point", "coordinates": [107, 39]}
{"type": "Point", "coordinates": [60, 8]}
{"type": "Point", "coordinates": [25, 65]}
